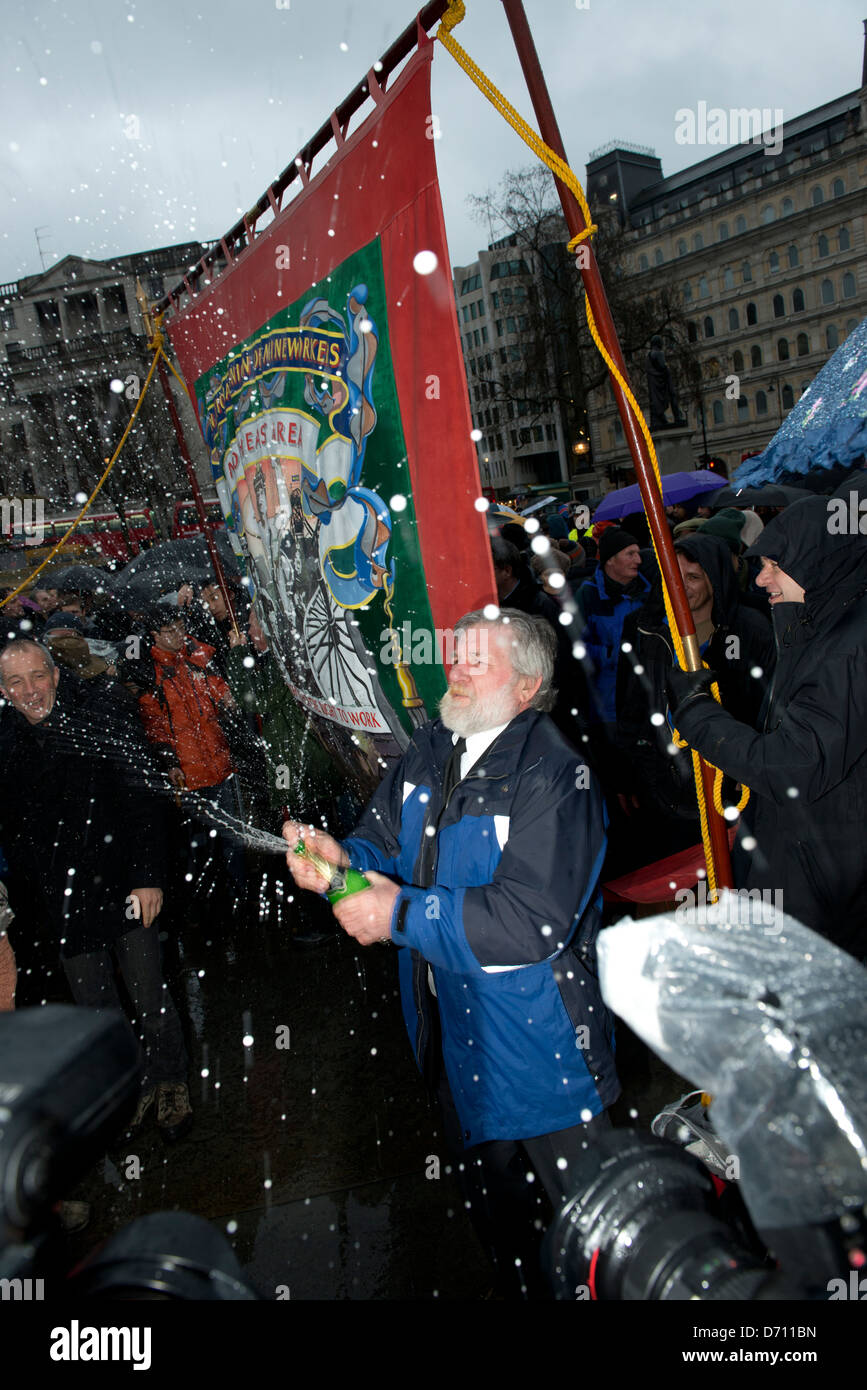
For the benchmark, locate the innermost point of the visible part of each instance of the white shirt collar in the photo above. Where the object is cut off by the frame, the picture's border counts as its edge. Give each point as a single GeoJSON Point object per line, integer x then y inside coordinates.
{"type": "Point", "coordinates": [476, 745]}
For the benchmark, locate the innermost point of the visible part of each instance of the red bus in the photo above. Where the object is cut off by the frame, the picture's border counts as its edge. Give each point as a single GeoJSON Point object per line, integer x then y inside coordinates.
{"type": "Point", "coordinates": [98, 536]}
{"type": "Point", "coordinates": [186, 521]}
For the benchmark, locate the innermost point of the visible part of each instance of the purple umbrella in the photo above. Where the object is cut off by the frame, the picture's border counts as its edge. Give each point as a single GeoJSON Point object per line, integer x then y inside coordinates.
{"type": "Point", "coordinates": [676, 487]}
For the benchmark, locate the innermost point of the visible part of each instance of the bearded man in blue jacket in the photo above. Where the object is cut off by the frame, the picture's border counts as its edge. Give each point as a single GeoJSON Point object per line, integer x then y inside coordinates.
{"type": "Point", "coordinates": [483, 847]}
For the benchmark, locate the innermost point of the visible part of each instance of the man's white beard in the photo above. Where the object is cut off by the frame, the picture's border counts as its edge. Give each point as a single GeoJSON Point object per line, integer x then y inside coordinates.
{"type": "Point", "coordinates": [479, 715]}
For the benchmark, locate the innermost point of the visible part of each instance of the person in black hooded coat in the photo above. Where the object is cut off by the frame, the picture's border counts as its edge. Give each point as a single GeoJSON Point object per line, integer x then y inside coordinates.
{"type": "Point", "coordinates": [736, 641]}
{"type": "Point", "coordinates": [803, 830]}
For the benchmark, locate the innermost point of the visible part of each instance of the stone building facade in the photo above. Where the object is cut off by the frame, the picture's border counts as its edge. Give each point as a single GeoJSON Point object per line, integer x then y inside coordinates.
{"type": "Point", "coordinates": [766, 246]}
{"type": "Point", "coordinates": [65, 336]}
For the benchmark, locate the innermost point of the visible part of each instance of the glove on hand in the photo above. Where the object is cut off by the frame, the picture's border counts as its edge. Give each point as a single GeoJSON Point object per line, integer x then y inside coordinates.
{"type": "Point", "coordinates": [684, 687]}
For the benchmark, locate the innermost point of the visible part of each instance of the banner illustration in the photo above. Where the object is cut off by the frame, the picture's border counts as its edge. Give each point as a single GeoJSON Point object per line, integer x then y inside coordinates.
{"type": "Point", "coordinates": [330, 389]}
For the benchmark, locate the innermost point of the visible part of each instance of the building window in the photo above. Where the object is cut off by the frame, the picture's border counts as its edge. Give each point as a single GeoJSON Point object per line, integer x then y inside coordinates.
{"type": "Point", "coordinates": [7, 319]}
{"type": "Point", "coordinates": [740, 226]}
{"type": "Point", "coordinates": [783, 350]}
{"type": "Point", "coordinates": [499, 328]}
{"type": "Point", "coordinates": [788, 398]}
{"type": "Point", "coordinates": [832, 337]}
{"type": "Point", "coordinates": [687, 290]}
{"type": "Point", "coordinates": [817, 197]}
{"type": "Point", "coordinates": [768, 214]}
{"type": "Point", "coordinates": [728, 279]}
{"type": "Point", "coordinates": [755, 356]}
{"type": "Point", "coordinates": [703, 291]}
{"type": "Point", "coordinates": [718, 415]}
{"type": "Point", "coordinates": [477, 342]}
{"type": "Point", "coordinates": [792, 256]}
{"type": "Point", "coordinates": [743, 408]}
{"type": "Point", "coordinates": [761, 403]}
{"type": "Point", "coordinates": [827, 292]}
{"type": "Point", "coordinates": [734, 321]}
{"type": "Point", "coordinates": [738, 361]}
{"type": "Point", "coordinates": [848, 285]}
{"type": "Point", "coordinates": [773, 262]}
{"type": "Point", "coordinates": [681, 247]}
{"type": "Point", "coordinates": [844, 241]}
{"type": "Point", "coordinates": [473, 310]}
{"type": "Point", "coordinates": [618, 429]}
{"type": "Point", "coordinates": [708, 327]}
{"type": "Point", "coordinates": [48, 316]}
{"type": "Point", "coordinates": [746, 272]}
{"type": "Point", "coordinates": [788, 207]}
{"type": "Point", "coordinates": [823, 246]}
{"type": "Point", "coordinates": [643, 262]}
{"type": "Point", "coordinates": [691, 332]}
{"type": "Point", "coordinates": [658, 257]}
{"type": "Point", "coordinates": [803, 345]}
{"type": "Point", "coordinates": [722, 231]}
{"type": "Point", "coordinates": [698, 242]}
{"type": "Point", "coordinates": [838, 188]}
{"type": "Point", "coordinates": [798, 301]}
{"type": "Point", "coordinates": [779, 307]}
{"type": "Point", "coordinates": [495, 300]}
{"type": "Point", "coordinates": [503, 355]}
{"type": "Point", "coordinates": [484, 335]}
{"type": "Point", "coordinates": [511, 326]}
{"type": "Point", "coordinates": [466, 313]}
{"type": "Point", "coordinates": [537, 434]}
{"type": "Point", "coordinates": [752, 316]}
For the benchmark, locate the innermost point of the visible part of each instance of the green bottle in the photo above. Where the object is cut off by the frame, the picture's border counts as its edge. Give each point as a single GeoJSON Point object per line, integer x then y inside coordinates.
{"type": "Point", "coordinates": [342, 883]}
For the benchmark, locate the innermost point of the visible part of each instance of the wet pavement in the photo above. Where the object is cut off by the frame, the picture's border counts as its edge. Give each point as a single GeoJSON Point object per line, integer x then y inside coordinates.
{"type": "Point", "coordinates": [313, 1149]}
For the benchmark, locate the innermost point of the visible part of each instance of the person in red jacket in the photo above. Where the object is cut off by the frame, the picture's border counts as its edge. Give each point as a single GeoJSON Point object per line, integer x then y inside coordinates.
{"type": "Point", "coordinates": [181, 716]}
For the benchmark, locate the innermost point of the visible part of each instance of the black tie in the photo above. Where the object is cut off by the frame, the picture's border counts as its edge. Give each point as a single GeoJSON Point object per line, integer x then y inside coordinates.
{"type": "Point", "coordinates": [452, 774]}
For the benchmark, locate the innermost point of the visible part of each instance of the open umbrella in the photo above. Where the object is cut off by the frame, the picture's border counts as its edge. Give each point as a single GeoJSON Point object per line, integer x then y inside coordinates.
{"type": "Point", "coordinates": [768, 495]}
{"type": "Point", "coordinates": [81, 579]}
{"type": "Point", "coordinates": [676, 487]}
{"type": "Point", "coordinates": [168, 565]}
{"type": "Point", "coordinates": [498, 514]}
{"type": "Point", "coordinates": [828, 426]}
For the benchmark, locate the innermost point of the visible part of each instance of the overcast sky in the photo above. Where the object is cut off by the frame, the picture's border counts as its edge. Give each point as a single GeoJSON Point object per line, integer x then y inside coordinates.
{"type": "Point", "coordinates": [133, 125]}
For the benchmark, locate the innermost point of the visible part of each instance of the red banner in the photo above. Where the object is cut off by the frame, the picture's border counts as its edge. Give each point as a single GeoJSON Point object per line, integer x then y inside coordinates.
{"type": "Point", "coordinates": [328, 376]}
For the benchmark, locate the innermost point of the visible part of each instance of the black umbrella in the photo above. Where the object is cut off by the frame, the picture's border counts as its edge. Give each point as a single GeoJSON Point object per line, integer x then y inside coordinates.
{"type": "Point", "coordinates": [80, 579]}
{"type": "Point", "coordinates": [768, 495]}
{"type": "Point", "coordinates": [168, 565]}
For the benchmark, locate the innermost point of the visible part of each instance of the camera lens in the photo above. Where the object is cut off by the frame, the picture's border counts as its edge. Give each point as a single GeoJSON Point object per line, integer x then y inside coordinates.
{"type": "Point", "coordinates": [643, 1225]}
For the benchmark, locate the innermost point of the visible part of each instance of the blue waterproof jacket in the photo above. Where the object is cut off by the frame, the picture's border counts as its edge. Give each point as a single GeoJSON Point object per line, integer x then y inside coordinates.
{"type": "Point", "coordinates": [604, 617]}
{"type": "Point", "coordinates": [502, 902]}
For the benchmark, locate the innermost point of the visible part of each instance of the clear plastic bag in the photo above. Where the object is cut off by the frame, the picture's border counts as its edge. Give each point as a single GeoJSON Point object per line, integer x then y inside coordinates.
{"type": "Point", "coordinates": [768, 1017]}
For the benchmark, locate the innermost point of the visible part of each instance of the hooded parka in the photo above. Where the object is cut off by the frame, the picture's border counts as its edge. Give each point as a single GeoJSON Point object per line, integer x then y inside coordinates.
{"type": "Point", "coordinates": [806, 765]}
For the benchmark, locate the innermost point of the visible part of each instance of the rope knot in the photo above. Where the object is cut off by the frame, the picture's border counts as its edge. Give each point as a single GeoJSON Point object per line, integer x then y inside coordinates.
{"type": "Point", "coordinates": [453, 15]}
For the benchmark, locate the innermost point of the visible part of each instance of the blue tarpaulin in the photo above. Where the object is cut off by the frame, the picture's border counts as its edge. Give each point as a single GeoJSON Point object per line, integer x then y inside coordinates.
{"type": "Point", "coordinates": [828, 426]}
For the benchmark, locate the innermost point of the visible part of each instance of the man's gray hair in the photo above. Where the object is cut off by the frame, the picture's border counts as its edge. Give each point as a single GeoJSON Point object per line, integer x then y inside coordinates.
{"type": "Point", "coordinates": [18, 642]}
{"type": "Point", "coordinates": [533, 648]}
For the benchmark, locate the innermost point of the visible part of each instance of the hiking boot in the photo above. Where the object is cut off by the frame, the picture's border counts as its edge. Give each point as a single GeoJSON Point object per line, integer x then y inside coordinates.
{"type": "Point", "coordinates": [145, 1103]}
{"type": "Point", "coordinates": [174, 1112]}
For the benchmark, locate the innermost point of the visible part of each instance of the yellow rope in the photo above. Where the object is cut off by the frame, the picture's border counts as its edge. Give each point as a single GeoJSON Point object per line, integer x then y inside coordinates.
{"type": "Point", "coordinates": [112, 461]}
{"type": "Point", "coordinates": [453, 16]}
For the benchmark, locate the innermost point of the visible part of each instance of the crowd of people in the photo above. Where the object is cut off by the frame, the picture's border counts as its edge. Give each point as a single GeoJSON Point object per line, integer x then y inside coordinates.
{"type": "Point", "coordinates": [554, 766]}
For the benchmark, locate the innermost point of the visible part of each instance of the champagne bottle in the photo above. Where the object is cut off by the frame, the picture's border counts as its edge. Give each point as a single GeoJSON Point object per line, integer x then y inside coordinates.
{"type": "Point", "coordinates": [341, 882]}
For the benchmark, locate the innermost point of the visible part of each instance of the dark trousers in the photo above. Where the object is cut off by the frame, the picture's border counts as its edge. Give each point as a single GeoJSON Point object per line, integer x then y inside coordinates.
{"type": "Point", "coordinates": [222, 797]}
{"type": "Point", "coordinates": [92, 982]}
{"type": "Point", "coordinates": [512, 1188]}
